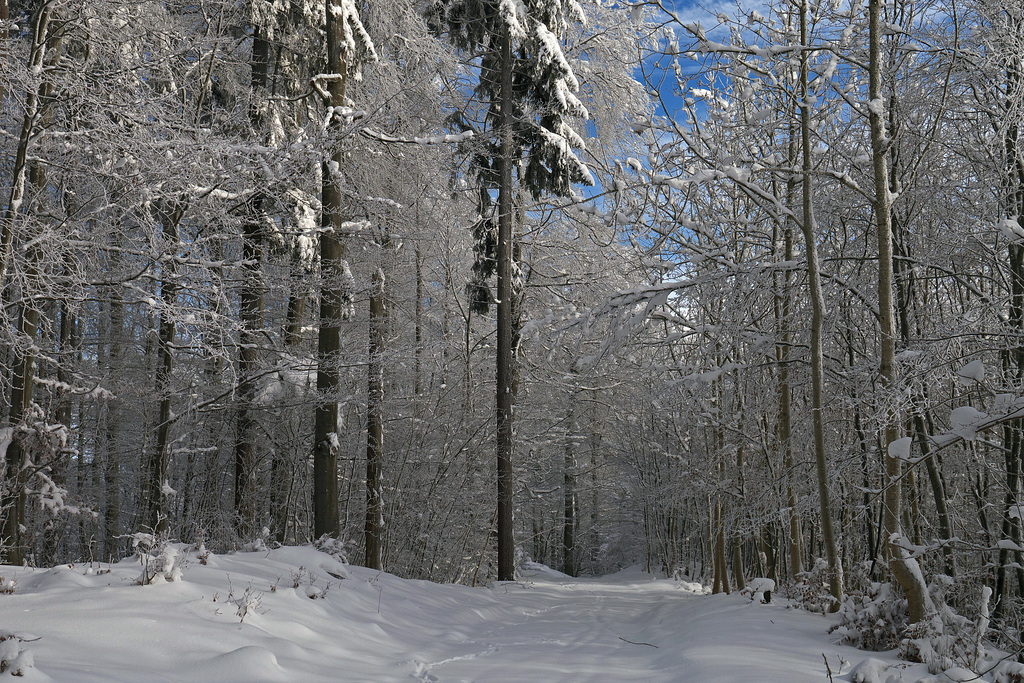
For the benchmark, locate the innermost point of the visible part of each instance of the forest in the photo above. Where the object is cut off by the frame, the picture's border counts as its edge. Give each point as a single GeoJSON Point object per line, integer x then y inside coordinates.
{"type": "Point", "coordinates": [449, 286]}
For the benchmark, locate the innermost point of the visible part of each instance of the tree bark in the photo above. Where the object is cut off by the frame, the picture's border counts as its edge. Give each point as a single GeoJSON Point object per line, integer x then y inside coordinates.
{"type": "Point", "coordinates": [250, 309]}
{"type": "Point", "coordinates": [38, 110]}
{"type": "Point", "coordinates": [1013, 443]}
{"type": "Point", "coordinates": [902, 567]}
{"type": "Point", "coordinates": [418, 368]}
{"type": "Point", "coordinates": [19, 172]}
{"type": "Point", "coordinates": [570, 523]}
{"type": "Point", "coordinates": [157, 489]}
{"type": "Point", "coordinates": [335, 299]}
{"type": "Point", "coordinates": [783, 310]}
{"type": "Point", "coordinates": [13, 504]}
{"type": "Point", "coordinates": [817, 322]}
{"type": "Point", "coordinates": [111, 459]}
{"type": "Point", "coordinates": [505, 368]}
{"type": "Point", "coordinates": [251, 315]}
{"type": "Point", "coordinates": [374, 529]}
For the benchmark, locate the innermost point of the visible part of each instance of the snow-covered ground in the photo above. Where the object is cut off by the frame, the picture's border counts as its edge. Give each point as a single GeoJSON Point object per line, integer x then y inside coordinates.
{"type": "Point", "coordinates": [287, 615]}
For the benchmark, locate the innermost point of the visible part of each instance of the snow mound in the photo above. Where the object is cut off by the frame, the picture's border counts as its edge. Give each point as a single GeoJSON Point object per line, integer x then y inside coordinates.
{"type": "Point", "coordinates": [250, 661]}
{"type": "Point", "coordinates": [757, 588]}
{"type": "Point", "coordinates": [870, 670]}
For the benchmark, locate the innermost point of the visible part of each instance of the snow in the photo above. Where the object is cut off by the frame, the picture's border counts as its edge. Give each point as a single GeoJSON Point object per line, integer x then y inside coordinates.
{"type": "Point", "coordinates": [975, 370]}
{"type": "Point", "coordinates": [964, 421]}
{"type": "Point", "coordinates": [870, 670]}
{"type": "Point", "coordinates": [900, 448]}
{"type": "Point", "coordinates": [510, 11]}
{"type": "Point", "coordinates": [296, 613]}
{"type": "Point", "coordinates": [1011, 229]}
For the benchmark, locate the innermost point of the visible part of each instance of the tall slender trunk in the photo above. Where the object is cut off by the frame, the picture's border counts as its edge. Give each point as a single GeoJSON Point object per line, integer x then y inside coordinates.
{"type": "Point", "coordinates": [34, 105]}
{"type": "Point", "coordinates": [251, 315]}
{"type": "Point", "coordinates": [906, 283]}
{"type": "Point", "coordinates": [505, 369]}
{"type": "Point", "coordinates": [111, 459]}
{"type": "Point", "coordinates": [335, 297]}
{"type": "Point", "coordinates": [38, 112]}
{"type": "Point", "coordinates": [282, 463]}
{"type": "Point", "coordinates": [721, 580]}
{"type": "Point", "coordinates": [783, 310]}
{"type": "Point", "coordinates": [817, 322]}
{"type": "Point", "coordinates": [13, 504]}
{"type": "Point", "coordinates": [737, 537]}
{"type": "Point", "coordinates": [250, 306]}
{"type": "Point", "coordinates": [418, 387]}
{"type": "Point", "coordinates": [157, 489]}
{"type": "Point", "coordinates": [54, 526]}
{"type": "Point", "coordinates": [570, 522]}
{"type": "Point", "coordinates": [901, 566]}
{"type": "Point", "coordinates": [374, 528]}
{"type": "Point", "coordinates": [1013, 441]}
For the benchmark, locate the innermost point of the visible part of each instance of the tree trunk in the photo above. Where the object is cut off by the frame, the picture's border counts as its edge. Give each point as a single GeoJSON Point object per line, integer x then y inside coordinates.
{"type": "Point", "coordinates": [505, 368]}
{"type": "Point", "coordinates": [721, 582]}
{"type": "Point", "coordinates": [46, 49]}
{"type": "Point", "coordinates": [902, 567]}
{"type": "Point", "coordinates": [250, 308]}
{"type": "Point", "coordinates": [157, 489]}
{"type": "Point", "coordinates": [783, 309]}
{"type": "Point", "coordinates": [737, 538]}
{"type": "Point", "coordinates": [19, 173]}
{"type": "Point", "coordinates": [13, 504]}
{"type": "Point", "coordinates": [282, 463]}
{"type": "Point", "coordinates": [54, 526]}
{"type": "Point", "coordinates": [374, 529]}
{"type": "Point", "coordinates": [1013, 442]}
{"type": "Point", "coordinates": [335, 297]}
{"type": "Point", "coordinates": [817, 322]}
{"type": "Point", "coordinates": [570, 523]}
{"type": "Point", "coordinates": [418, 381]}
{"type": "Point", "coordinates": [111, 455]}
{"type": "Point", "coordinates": [251, 315]}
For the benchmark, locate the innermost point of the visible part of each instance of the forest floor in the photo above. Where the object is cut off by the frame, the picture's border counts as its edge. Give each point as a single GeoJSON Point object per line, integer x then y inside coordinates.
{"type": "Point", "coordinates": [288, 615]}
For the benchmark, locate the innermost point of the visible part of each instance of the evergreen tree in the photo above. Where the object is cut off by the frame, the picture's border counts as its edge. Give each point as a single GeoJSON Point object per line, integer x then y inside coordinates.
{"type": "Point", "coordinates": [529, 88]}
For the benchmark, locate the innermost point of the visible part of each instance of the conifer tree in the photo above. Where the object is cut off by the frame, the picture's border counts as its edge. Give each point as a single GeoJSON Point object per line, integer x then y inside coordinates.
{"type": "Point", "coordinates": [529, 88]}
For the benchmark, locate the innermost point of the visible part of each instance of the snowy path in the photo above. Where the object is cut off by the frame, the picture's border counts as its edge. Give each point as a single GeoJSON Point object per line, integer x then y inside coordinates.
{"type": "Point", "coordinates": [635, 628]}
{"type": "Point", "coordinates": [81, 625]}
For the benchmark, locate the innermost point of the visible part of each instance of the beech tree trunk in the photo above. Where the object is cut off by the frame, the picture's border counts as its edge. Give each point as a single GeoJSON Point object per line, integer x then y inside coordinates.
{"type": "Point", "coordinates": [902, 567]}
{"type": "Point", "coordinates": [783, 311]}
{"type": "Point", "coordinates": [335, 299]}
{"type": "Point", "coordinates": [817, 322]}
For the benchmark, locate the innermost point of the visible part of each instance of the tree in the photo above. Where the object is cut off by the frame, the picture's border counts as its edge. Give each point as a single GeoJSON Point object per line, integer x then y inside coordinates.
{"type": "Point", "coordinates": [521, 64]}
{"type": "Point", "coordinates": [347, 45]}
{"type": "Point", "coordinates": [901, 564]}
{"type": "Point", "coordinates": [817, 319]}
